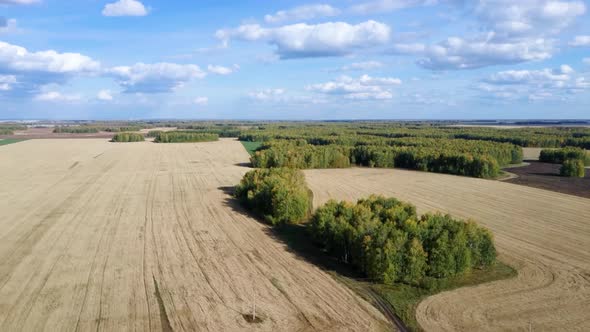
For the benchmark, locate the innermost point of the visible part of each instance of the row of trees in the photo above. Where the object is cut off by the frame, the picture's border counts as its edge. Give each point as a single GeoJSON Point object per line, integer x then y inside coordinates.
{"type": "Point", "coordinates": [448, 158]}
{"type": "Point", "coordinates": [280, 195]}
{"type": "Point", "coordinates": [76, 129]}
{"type": "Point", "coordinates": [128, 137]}
{"type": "Point", "coordinates": [558, 156]}
{"type": "Point", "coordinates": [184, 137]}
{"type": "Point", "coordinates": [299, 154]}
{"type": "Point", "coordinates": [573, 168]}
{"type": "Point", "coordinates": [385, 239]}
{"type": "Point", "coordinates": [428, 160]}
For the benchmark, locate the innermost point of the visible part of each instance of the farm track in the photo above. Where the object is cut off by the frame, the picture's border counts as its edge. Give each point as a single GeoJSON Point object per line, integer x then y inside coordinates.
{"type": "Point", "coordinates": [545, 235]}
{"type": "Point", "coordinates": [112, 237]}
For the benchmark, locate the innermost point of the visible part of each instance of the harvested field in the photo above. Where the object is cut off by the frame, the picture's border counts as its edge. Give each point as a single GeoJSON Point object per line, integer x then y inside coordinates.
{"type": "Point", "coordinates": [108, 237]}
{"type": "Point", "coordinates": [47, 133]}
{"type": "Point", "coordinates": [546, 176]}
{"type": "Point", "coordinates": [531, 153]}
{"type": "Point", "coordinates": [545, 235]}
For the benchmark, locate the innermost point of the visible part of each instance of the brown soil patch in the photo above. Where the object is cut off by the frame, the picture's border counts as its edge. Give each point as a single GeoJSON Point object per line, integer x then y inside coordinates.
{"type": "Point", "coordinates": [546, 176]}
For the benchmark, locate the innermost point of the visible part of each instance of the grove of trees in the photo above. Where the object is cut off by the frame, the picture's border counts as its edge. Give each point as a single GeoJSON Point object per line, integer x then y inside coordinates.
{"type": "Point", "coordinates": [558, 156]}
{"type": "Point", "coordinates": [128, 137]}
{"type": "Point", "coordinates": [280, 195]}
{"type": "Point", "coordinates": [385, 239]}
{"type": "Point", "coordinates": [184, 137]}
{"type": "Point", "coordinates": [573, 168]}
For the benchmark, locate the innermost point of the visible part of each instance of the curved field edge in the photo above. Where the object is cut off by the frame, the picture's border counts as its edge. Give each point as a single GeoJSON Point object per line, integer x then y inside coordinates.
{"type": "Point", "coordinates": [540, 233]}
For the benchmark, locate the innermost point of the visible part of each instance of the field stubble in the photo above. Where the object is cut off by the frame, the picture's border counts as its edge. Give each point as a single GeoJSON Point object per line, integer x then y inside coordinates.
{"type": "Point", "coordinates": [102, 236]}
{"type": "Point", "coordinates": [544, 235]}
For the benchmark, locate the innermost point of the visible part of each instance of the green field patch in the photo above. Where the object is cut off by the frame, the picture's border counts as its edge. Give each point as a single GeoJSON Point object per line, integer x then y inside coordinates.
{"type": "Point", "coordinates": [251, 147]}
{"type": "Point", "coordinates": [7, 141]}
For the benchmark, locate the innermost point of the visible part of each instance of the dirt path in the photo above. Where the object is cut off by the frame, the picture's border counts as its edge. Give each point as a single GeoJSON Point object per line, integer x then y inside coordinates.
{"type": "Point", "coordinates": [108, 237]}
{"type": "Point", "coordinates": [545, 235]}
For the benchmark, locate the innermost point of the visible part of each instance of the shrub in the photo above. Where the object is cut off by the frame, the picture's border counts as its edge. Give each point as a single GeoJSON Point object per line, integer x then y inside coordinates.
{"type": "Point", "coordinates": [385, 239]}
{"type": "Point", "coordinates": [280, 195]}
{"type": "Point", "coordinates": [128, 137]}
{"type": "Point", "coordinates": [184, 137]}
{"type": "Point", "coordinates": [573, 168]}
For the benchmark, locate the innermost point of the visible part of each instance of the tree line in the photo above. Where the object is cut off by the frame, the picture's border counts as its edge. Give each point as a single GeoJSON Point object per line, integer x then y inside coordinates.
{"type": "Point", "coordinates": [184, 137]}
{"type": "Point", "coordinates": [386, 239]}
{"type": "Point", "coordinates": [573, 160]}
{"type": "Point", "coordinates": [446, 156]}
{"type": "Point", "coordinates": [128, 137]}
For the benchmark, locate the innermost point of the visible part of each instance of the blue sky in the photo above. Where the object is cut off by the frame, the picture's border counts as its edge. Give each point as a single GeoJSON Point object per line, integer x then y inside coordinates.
{"type": "Point", "coordinates": [368, 59]}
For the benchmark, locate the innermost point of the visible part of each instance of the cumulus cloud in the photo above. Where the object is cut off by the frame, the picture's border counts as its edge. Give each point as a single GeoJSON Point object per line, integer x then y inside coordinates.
{"type": "Point", "coordinates": [221, 70]}
{"type": "Point", "coordinates": [513, 32]}
{"type": "Point", "coordinates": [366, 65]}
{"type": "Point", "coordinates": [201, 101]}
{"type": "Point", "coordinates": [35, 69]}
{"type": "Point", "coordinates": [104, 95]}
{"type": "Point", "coordinates": [301, 13]}
{"type": "Point", "coordinates": [155, 78]}
{"type": "Point", "coordinates": [54, 96]}
{"type": "Point", "coordinates": [459, 53]}
{"type": "Point", "coordinates": [304, 40]}
{"type": "Point", "coordinates": [580, 41]}
{"type": "Point", "coordinates": [534, 84]}
{"type": "Point", "coordinates": [362, 88]}
{"type": "Point", "coordinates": [125, 8]}
{"type": "Point", "coordinates": [525, 17]}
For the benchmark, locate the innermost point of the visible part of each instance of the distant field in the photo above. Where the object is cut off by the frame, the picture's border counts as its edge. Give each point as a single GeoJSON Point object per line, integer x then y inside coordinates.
{"type": "Point", "coordinates": [543, 234]}
{"type": "Point", "coordinates": [143, 236]}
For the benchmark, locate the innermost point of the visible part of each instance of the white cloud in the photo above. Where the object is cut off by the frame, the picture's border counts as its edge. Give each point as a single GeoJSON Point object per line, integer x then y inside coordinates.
{"type": "Point", "coordinates": [528, 17]}
{"type": "Point", "coordinates": [534, 84]}
{"type": "Point", "coordinates": [18, 59]}
{"type": "Point", "coordinates": [155, 78]}
{"type": "Point", "coordinates": [367, 65]}
{"type": "Point", "coordinates": [384, 6]}
{"type": "Point", "coordinates": [221, 70]}
{"type": "Point", "coordinates": [586, 61]}
{"type": "Point", "coordinates": [201, 101]}
{"type": "Point", "coordinates": [54, 96]}
{"type": "Point", "coordinates": [301, 13]}
{"type": "Point", "coordinates": [104, 95]}
{"type": "Point", "coordinates": [580, 41]}
{"type": "Point", "coordinates": [303, 40]}
{"type": "Point", "coordinates": [458, 53]}
{"type": "Point", "coordinates": [266, 94]}
{"type": "Point", "coordinates": [32, 70]}
{"type": "Point", "coordinates": [125, 8]}
{"type": "Point", "coordinates": [363, 88]}
{"type": "Point", "coordinates": [6, 82]}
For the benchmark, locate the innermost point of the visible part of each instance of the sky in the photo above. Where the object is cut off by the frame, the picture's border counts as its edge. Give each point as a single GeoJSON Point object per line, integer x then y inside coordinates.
{"type": "Point", "coordinates": [294, 60]}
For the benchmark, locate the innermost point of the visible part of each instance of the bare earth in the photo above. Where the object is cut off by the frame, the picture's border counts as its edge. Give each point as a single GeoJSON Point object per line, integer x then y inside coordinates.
{"type": "Point", "coordinates": [140, 236]}
{"type": "Point", "coordinates": [545, 235]}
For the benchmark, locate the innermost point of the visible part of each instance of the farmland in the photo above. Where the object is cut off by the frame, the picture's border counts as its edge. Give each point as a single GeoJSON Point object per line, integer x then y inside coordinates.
{"type": "Point", "coordinates": [145, 236]}
{"type": "Point", "coordinates": [544, 235]}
